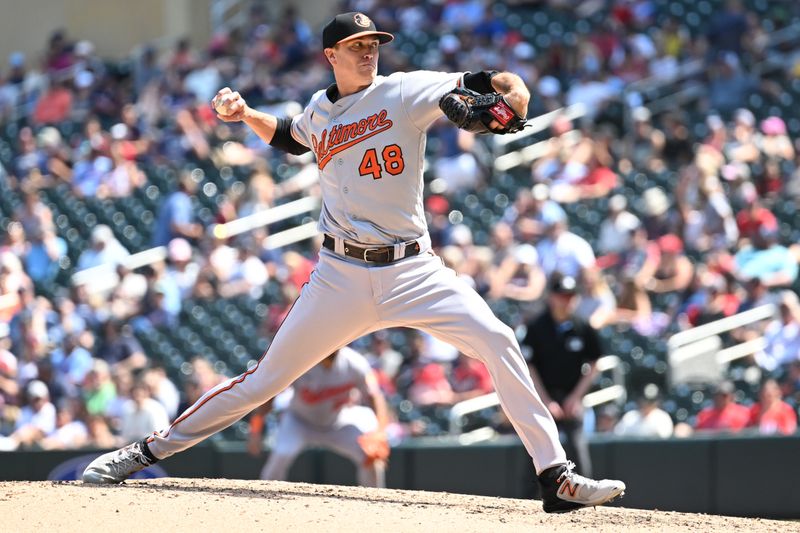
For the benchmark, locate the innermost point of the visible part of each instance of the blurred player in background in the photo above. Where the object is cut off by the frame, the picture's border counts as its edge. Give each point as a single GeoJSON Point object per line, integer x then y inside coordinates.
{"type": "Point", "coordinates": [322, 412]}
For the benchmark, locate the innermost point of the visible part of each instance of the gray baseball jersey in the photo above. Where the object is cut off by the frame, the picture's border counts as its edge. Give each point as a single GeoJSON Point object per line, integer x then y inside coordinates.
{"type": "Point", "coordinates": [370, 149]}
{"type": "Point", "coordinates": [321, 393]}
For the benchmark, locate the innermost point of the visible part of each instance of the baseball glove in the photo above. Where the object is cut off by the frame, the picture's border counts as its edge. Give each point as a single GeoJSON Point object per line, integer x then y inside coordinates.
{"type": "Point", "coordinates": [473, 111]}
{"type": "Point", "coordinates": [375, 446]}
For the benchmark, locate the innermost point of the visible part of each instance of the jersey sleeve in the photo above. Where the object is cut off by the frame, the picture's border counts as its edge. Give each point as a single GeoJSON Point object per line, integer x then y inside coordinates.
{"type": "Point", "coordinates": [421, 91]}
{"type": "Point", "coordinates": [301, 123]}
{"type": "Point", "coordinates": [299, 129]}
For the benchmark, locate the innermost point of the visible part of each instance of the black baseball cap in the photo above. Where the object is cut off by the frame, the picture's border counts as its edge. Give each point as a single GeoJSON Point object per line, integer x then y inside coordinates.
{"type": "Point", "coordinates": [561, 284]}
{"type": "Point", "coordinates": [351, 26]}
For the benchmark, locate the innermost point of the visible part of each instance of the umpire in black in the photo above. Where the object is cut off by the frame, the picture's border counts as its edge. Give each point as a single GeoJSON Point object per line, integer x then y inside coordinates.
{"type": "Point", "coordinates": [563, 357]}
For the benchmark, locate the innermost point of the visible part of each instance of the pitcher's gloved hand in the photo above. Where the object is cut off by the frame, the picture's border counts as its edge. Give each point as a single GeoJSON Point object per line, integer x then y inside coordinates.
{"type": "Point", "coordinates": [475, 112]}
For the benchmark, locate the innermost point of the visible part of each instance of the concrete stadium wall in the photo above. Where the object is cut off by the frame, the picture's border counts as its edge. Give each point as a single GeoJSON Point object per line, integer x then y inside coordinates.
{"type": "Point", "coordinates": [116, 27]}
{"type": "Point", "coordinates": [736, 476]}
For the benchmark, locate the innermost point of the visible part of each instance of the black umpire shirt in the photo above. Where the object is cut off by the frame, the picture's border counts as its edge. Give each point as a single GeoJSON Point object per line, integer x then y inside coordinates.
{"type": "Point", "coordinates": [559, 351]}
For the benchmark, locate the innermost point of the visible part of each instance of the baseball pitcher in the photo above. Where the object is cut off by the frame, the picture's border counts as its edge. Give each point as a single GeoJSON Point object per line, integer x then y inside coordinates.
{"type": "Point", "coordinates": [376, 268]}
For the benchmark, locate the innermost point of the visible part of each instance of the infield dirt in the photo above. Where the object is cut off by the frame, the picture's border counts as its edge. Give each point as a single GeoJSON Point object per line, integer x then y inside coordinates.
{"type": "Point", "coordinates": [222, 506]}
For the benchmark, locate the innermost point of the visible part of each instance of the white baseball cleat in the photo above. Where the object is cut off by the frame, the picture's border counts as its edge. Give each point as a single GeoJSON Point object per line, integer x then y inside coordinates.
{"type": "Point", "coordinates": [119, 465]}
{"type": "Point", "coordinates": [564, 490]}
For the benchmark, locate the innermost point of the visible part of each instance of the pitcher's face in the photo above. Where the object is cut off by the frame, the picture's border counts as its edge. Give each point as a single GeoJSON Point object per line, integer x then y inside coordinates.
{"type": "Point", "coordinates": [356, 59]}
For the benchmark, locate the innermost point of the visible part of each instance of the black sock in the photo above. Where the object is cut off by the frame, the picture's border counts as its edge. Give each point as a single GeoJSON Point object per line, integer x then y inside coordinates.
{"type": "Point", "coordinates": [552, 473]}
{"type": "Point", "coordinates": [147, 452]}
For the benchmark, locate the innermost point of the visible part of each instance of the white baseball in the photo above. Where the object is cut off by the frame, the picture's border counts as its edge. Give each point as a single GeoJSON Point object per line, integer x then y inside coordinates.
{"type": "Point", "coordinates": [222, 105]}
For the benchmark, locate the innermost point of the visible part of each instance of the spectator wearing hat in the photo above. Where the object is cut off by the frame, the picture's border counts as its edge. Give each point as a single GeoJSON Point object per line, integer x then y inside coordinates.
{"type": "Point", "coordinates": [725, 414]}
{"type": "Point", "coordinates": [37, 418]}
{"type": "Point", "coordinates": [182, 270]}
{"type": "Point", "coordinates": [776, 144]}
{"type": "Point", "coordinates": [648, 419]}
{"type": "Point", "coordinates": [105, 249]}
{"type": "Point", "coordinates": [657, 218]}
{"type": "Point", "coordinates": [563, 352]}
{"type": "Point", "coordinates": [771, 414]}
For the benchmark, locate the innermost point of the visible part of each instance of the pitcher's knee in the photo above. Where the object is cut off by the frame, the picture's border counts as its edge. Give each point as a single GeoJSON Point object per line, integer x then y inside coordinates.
{"type": "Point", "coordinates": [493, 339]}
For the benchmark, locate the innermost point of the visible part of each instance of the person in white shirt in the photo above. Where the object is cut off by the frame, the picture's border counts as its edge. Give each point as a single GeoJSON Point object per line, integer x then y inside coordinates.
{"type": "Point", "coordinates": [648, 420]}
{"type": "Point", "coordinates": [36, 419]}
{"type": "Point", "coordinates": [782, 335]}
{"type": "Point", "coordinates": [615, 230]}
{"type": "Point", "coordinates": [563, 251]}
{"type": "Point", "coordinates": [142, 414]}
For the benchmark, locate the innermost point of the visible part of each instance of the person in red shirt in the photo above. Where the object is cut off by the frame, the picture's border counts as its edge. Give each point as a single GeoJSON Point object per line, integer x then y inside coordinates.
{"type": "Point", "coordinates": [725, 414]}
{"type": "Point", "coordinates": [771, 414]}
{"type": "Point", "coordinates": [55, 105]}
{"type": "Point", "coordinates": [469, 379]}
{"type": "Point", "coordinates": [754, 216]}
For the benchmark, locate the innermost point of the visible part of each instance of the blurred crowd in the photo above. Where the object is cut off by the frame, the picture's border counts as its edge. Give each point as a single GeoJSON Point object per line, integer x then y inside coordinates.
{"type": "Point", "coordinates": [701, 244]}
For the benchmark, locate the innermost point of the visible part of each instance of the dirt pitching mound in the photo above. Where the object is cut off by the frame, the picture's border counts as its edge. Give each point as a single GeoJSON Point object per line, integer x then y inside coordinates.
{"type": "Point", "coordinates": [223, 505]}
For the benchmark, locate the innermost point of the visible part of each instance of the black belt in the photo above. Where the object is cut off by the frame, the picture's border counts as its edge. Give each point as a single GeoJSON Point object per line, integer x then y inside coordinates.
{"type": "Point", "coordinates": [382, 255]}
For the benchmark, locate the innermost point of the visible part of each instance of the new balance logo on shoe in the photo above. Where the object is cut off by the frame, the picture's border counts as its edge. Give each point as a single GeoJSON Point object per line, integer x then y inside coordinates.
{"type": "Point", "coordinates": [565, 490]}
{"type": "Point", "coordinates": [568, 486]}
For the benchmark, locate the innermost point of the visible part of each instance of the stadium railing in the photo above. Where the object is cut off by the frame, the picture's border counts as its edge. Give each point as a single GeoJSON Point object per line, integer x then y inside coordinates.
{"type": "Point", "coordinates": [104, 277]}
{"type": "Point", "coordinates": [505, 160]}
{"type": "Point", "coordinates": [613, 393]}
{"type": "Point", "coordinates": [697, 354]}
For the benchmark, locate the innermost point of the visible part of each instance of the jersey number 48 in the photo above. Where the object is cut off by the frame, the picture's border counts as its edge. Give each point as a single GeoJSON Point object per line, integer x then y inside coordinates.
{"type": "Point", "coordinates": [392, 162]}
